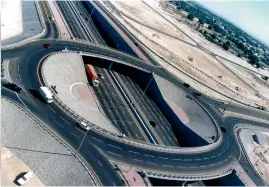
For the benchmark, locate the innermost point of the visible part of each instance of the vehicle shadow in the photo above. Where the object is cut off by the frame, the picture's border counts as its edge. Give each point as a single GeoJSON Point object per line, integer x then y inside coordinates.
{"type": "Point", "coordinates": [18, 177]}
{"type": "Point", "coordinates": [37, 95]}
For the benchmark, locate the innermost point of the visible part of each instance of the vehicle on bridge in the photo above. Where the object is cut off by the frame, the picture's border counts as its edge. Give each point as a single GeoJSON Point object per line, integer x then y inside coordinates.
{"type": "Point", "coordinates": [92, 74]}
{"type": "Point", "coordinates": [46, 94]}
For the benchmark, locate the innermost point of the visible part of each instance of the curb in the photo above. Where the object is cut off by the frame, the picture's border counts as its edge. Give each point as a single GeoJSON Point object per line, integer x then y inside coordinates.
{"type": "Point", "coordinates": [27, 40]}
{"type": "Point", "coordinates": [125, 139]}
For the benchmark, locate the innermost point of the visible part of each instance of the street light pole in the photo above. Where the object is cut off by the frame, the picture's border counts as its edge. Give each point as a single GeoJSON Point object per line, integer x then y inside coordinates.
{"type": "Point", "coordinates": [229, 103]}
{"type": "Point", "coordinates": [146, 88]}
{"type": "Point", "coordinates": [82, 140]}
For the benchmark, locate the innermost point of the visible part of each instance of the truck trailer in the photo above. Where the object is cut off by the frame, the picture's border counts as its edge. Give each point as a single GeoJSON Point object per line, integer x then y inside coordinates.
{"type": "Point", "coordinates": [92, 74]}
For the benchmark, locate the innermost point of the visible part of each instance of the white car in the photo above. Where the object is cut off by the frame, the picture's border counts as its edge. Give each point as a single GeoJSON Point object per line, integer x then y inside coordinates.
{"type": "Point", "coordinates": [84, 125]}
{"type": "Point", "coordinates": [224, 102]}
{"type": "Point", "coordinates": [25, 178]}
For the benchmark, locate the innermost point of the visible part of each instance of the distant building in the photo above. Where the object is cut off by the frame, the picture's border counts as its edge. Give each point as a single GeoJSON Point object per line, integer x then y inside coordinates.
{"type": "Point", "coordinates": [196, 20]}
{"type": "Point", "coordinates": [205, 25]}
{"type": "Point", "coordinates": [184, 13]}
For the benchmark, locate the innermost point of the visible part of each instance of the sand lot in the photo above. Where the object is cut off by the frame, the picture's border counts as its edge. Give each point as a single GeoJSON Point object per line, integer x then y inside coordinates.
{"type": "Point", "coordinates": [158, 28]}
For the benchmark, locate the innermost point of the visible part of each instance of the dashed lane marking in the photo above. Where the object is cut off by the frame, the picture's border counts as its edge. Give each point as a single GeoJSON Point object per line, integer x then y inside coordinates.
{"type": "Point", "coordinates": [44, 112]}
{"type": "Point", "coordinates": [114, 146]}
{"type": "Point", "coordinates": [177, 159]}
{"type": "Point", "coordinates": [114, 153]}
{"type": "Point", "coordinates": [138, 160]}
{"type": "Point", "coordinates": [152, 163]}
{"type": "Point", "coordinates": [58, 124]}
{"type": "Point", "coordinates": [149, 155]}
{"type": "Point", "coordinates": [163, 158]}
{"type": "Point", "coordinates": [97, 139]}
{"type": "Point", "coordinates": [167, 166]}
{"type": "Point", "coordinates": [74, 135]}
{"type": "Point", "coordinates": [65, 120]}
{"type": "Point", "coordinates": [52, 109]}
{"type": "Point", "coordinates": [133, 152]}
{"type": "Point", "coordinates": [100, 163]}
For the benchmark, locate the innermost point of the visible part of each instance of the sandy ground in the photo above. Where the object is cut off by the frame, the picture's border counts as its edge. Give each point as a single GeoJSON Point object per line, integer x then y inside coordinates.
{"type": "Point", "coordinates": [11, 25]}
{"type": "Point", "coordinates": [176, 44]}
{"type": "Point", "coordinates": [11, 167]}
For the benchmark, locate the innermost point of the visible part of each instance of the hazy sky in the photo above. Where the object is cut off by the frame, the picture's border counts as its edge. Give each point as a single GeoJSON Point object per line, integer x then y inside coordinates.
{"type": "Point", "coordinates": [250, 16]}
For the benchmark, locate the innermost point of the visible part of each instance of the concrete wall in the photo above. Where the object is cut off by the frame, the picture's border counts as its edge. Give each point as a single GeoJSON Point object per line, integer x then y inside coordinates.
{"type": "Point", "coordinates": [110, 35]}
{"type": "Point", "coordinates": [186, 136]}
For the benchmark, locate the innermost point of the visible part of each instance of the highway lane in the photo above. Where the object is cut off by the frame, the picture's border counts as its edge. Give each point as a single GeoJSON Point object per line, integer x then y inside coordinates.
{"type": "Point", "coordinates": [114, 106]}
{"type": "Point", "coordinates": [71, 20]}
{"type": "Point", "coordinates": [123, 119]}
{"type": "Point", "coordinates": [55, 119]}
{"type": "Point", "coordinates": [125, 149]}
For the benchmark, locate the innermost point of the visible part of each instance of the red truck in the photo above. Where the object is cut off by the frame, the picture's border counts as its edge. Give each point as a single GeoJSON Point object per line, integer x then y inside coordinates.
{"type": "Point", "coordinates": [92, 74]}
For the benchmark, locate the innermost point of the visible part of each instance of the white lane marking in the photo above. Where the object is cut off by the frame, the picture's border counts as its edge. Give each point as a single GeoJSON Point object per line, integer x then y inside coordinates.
{"type": "Point", "coordinates": [79, 129]}
{"type": "Point", "coordinates": [206, 158]}
{"type": "Point", "coordinates": [44, 112]}
{"type": "Point", "coordinates": [58, 123]}
{"type": "Point", "coordinates": [74, 135]}
{"type": "Point", "coordinates": [138, 160]}
{"type": "Point", "coordinates": [152, 163]}
{"type": "Point", "coordinates": [230, 156]}
{"type": "Point", "coordinates": [19, 76]}
{"type": "Point", "coordinates": [187, 159]}
{"type": "Point", "coordinates": [177, 159]}
{"type": "Point", "coordinates": [114, 146]}
{"type": "Point", "coordinates": [114, 153]}
{"type": "Point", "coordinates": [18, 67]}
{"type": "Point", "coordinates": [97, 139]}
{"type": "Point", "coordinates": [163, 158]}
{"type": "Point", "coordinates": [197, 159]}
{"type": "Point", "coordinates": [180, 166]}
{"type": "Point", "coordinates": [149, 155]}
{"type": "Point", "coordinates": [114, 184]}
{"type": "Point", "coordinates": [52, 109]}
{"type": "Point", "coordinates": [213, 156]}
{"type": "Point", "coordinates": [167, 166]}
{"type": "Point", "coordinates": [100, 163]}
{"type": "Point", "coordinates": [65, 120]}
{"type": "Point", "coordinates": [133, 152]}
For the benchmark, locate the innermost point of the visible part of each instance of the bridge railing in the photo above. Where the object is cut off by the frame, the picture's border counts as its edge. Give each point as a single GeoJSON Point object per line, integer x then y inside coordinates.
{"type": "Point", "coordinates": [117, 137]}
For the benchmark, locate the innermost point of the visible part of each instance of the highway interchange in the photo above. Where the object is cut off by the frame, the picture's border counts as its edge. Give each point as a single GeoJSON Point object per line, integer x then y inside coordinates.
{"type": "Point", "coordinates": [23, 68]}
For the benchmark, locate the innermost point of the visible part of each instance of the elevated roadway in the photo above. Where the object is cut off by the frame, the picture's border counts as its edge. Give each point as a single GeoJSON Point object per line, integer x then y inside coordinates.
{"type": "Point", "coordinates": [196, 164]}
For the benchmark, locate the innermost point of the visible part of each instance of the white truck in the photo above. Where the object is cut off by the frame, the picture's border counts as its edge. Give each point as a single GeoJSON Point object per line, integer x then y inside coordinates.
{"type": "Point", "coordinates": [46, 94]}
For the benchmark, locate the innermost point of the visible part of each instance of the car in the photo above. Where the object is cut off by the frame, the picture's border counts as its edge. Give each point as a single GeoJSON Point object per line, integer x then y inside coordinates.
{"type": "Point", "coordinates": [261, 107]}
{"type": "Point", "coordinates": [223, 129]}
{"type": "Point", "coordinates": [100, 75]}
{"type": "Point", "coordinates": [84, 125]}
{"type": "Point", "coordinates": [153, 124]}
{"type": "Point", "coordinates": [186, 85]}
{"type": "Point", "coordinates": [189, 97]}
{"type": "Point", "coordinates": [46, 46]}
{"type": "Point", "coordinates": [21, 181]}
{"type": "Point", "coordinates": [224, 102]}
{"type": "Point", "coordinates": [197, 93]}
{"type": "Point", "coordinates": [13, 87]}
{"type": "Point", "coordinates": [51, 18]}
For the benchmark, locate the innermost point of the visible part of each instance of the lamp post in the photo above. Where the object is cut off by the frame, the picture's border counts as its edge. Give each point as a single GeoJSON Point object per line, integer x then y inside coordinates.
{"type": "Point", "coordinates": [83, 139]}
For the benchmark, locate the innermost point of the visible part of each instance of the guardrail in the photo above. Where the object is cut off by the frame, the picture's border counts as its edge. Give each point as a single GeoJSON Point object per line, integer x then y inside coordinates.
{"type": "Point", "coordinates": [23, 42]}
{"type": "Point", "coordinates": [120, 138]}
{"type": "Point", "coordinates": [188, 178]}
{"type": "Point", "coordinates": [81, 160]}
